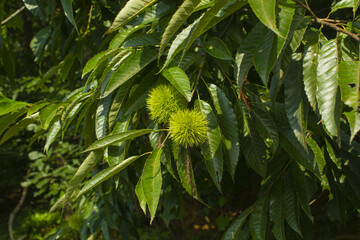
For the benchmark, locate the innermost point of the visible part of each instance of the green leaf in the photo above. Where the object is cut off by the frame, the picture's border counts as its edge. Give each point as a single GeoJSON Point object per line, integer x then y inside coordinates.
{"type": "Point", "coordinates": [105, 175]}
{"type": "Point", "coordinates": [179, 42]}
{"type": "Point", "coordinates": [217, 48]}
{"type": "Point", "coordinates": [277, 210]}
{"type": "Point", "coordinates": [243, 60]}
{"type": "Point", "coordinates": [52, 134]}
{"type": "Point", "coordinates": [327, 86]}
{"type": "Point", "coordinates": [139, 191]}
{"type": "Point", "coordinates": [117, 152]}
{"type": "Point", "coordinates": [230, 233]}
{"type": "Point", "coordinates": [291, 205]}
{"type": "Point", "coordinates": [320, 160]}
{"type": "Point", "coordinates": [101, 116]}
{"type": "Point", "coordinates": [296, 105]}
{"type": "Point", "coordinates": [310, 65]}
{"type": "Point", "coordinates": [151, 180]}
{"type": "Point", "coordinates": [7, 105]}
{"type": "Point", "coordinates": [131, 66]}
{"type": "Point", "coordinates": [185, 170]}
{"type": "Point", "coordinates": [86, 166]}
{"type": "Point", "coordinates": [93, 62]}
{"type": "Point", "coordinates": [34, 6]}
{"type": "Point", "coordinates": [36, 107]}
{"type": "Point", "coordinates": [137, 98]}
{"type": "Point", "coordinates": [18, 127]}
{"type": "Point", "coordinates": [348, 80]}
{"type": "Point", "coordinates": [48, 113]}
{"type": "Point", "coordinates": [265, 11]}
{"type": "Point", "coordinates": [179, 17]}
{"type": "Point", "coordinates": [143, 40]}
{"type": "Point", "coordinates": [293, 147]}
{"type": "Point", "coordinates": [212, 149]}
{"type": "Point", "coordinates": [132, 9]}
{"type": "Point", "coordinates": [228, 124]}
{"type": "Point", "coordinates": [258, 219]}
{"type": "Point", "coordinates": [9, 118]}
{"type": "Point", "coordinates": [298, 177]}
{"type": "Point", "coordinates": [116, 138]}
{"type": "Point", "coordinates": [68, 10]}
{"type": "Point", "coordinates": [253, 145]}
{"type": "Point", "coordinates": [266, 125]}
{"type": "Point", "coordinates": [204, 22]}
{"type": "Point", "coordinates": [39, 41]}
{"type": "Point", "coordinates": [178, 78]}
{"type": "Point", "coordinates": [123, 34]}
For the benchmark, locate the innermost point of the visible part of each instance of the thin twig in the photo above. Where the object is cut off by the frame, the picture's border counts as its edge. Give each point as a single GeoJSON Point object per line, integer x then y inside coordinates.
{"type": "Point", "coordinates": [163, 143]}
{"type": "Point", "coordinates": [198, 75]}
{"type": "Point", "coordinates": [326, 22]}
{"type": "Point", "coordinates": [13, 15]}
{"type": "Point", "coordinates": [16, 209]}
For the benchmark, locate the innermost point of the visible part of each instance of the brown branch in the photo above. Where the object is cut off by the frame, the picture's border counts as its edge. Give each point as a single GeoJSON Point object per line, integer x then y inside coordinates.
{"type": "Point", "coordinates": [16, 209]}
{"type": "Point", "coordinates": [327, 22]}
{"type": "Point", "coordinates": [13, 15]}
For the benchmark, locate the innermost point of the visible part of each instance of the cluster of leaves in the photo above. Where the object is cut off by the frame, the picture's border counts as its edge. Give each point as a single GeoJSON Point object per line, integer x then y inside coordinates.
{"type": "Point", "coordinates": [277, 83]}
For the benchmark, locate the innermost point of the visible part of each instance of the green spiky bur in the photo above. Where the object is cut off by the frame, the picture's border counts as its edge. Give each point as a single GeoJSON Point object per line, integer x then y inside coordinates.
{"type": "Point", "coordinates": [163, 101]}
{"type": "Point", "coordinates": [188, 127]}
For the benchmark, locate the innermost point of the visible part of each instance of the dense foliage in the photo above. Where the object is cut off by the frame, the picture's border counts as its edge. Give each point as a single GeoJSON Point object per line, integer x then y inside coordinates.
{"type": "Point", "coordinates": [247, 106]}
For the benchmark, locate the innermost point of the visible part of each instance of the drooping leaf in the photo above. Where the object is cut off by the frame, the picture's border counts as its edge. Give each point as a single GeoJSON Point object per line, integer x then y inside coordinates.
{"type": "Point", "coordinates": [39, 41]}
{"type": "Point", "coordinates": [291, 205]}
{"type": "Point", "coordinates": [139, 191]}
{"type": "Point", "coordinates": [19, 126]}
{"type": "Point", "coordinates": [252, 145]}
{"type": "Point", "coordinates": [185, 170]}
{"type": "Point", "coordinates": [310, 65]}
{"type": "Point", "coordinates": [178, 78]}
{"type": "Point", "coordinates": [116, 138]}
{"type": "Point", "coordinates": [230, 233]}
{"type": "Point", "coordinates": [228, 124]}
{"type": "Point", "coordinates": [131, 66]}
{"type": "Point", "coordinates": [105, 175]}
{"type": "Point", "coordinates": [151, 180]}
{"type": "Point", "coordinates": [295, 101]}
{"type": "Point", "coordinates": [132, 9]}
{"type": "Point", "coordinates": [123, 34]}
{"type": "Point", "coordinates": [212, 149]}
{"type": "Point", "coordinates": [217, 48]}
{"type": "Point", "coordinates": [52, 134]}
{"type": "Point", "coordinates": [7, 105]}
{"type": "Point", "coordinates": [266, 126]}
{"type": "Point", "coordinates": [295, 150]}
{"type": "Point", "coordinates": [48, 113]}
{"type": "Point", "coordinates": [348, 80]}
{"type": "Point", "coordinates": [258, 219]}
{"type": "Point", "coordinates": [179, 17]}
{"type": "Point", "coordinates": [101, 116]}
{"type": "Point", "coordinates": [9, 118]}
{"type": "Point", "coordinates": [36, 107]}
{"type": "Point", "coordinates": [68, 10]}
{"type": "Point", "coordinates": [204, 22]}
{"type": "Point", "coordinates": [320, 160]}
{"type": "Point", "coordinates": [265, 11]}
{"type": "Point", "coordinates": [276, 210]}
{"type": "Point", "coordinates": [300, 187]}
{"type": "Point", "coordinates": [327, 86]}
{"type": "Point", "coordinates": [84, 169]}
{"type": "Point", "coordinates": [35, 7]}
{"type": "Point", "coordinates": [93, 62]}
{"type": "Point", "coordinates": [179, 42]}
